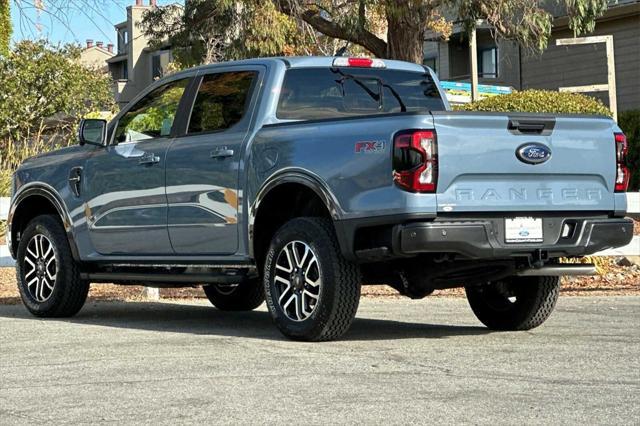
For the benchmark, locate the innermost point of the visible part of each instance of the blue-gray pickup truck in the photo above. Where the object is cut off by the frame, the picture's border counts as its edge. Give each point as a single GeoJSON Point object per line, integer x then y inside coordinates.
{"type": "Point", "coordinates": [297, 180]}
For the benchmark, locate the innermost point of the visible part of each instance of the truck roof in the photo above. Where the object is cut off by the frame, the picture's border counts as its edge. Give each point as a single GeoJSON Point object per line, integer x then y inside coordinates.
{"type": "Point", "coordinates": [309, 62]}
{"type": "Point", "coordinates": [327, 61]}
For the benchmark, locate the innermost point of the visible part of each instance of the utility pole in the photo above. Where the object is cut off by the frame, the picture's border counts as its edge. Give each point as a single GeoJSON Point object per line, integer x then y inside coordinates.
{"type": "Point", "coordinates": [473, 60]}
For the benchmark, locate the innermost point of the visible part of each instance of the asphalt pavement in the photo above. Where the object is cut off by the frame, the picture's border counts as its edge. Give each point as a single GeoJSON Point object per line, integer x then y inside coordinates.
{"type": "Point", "coordinates": [403, 361]}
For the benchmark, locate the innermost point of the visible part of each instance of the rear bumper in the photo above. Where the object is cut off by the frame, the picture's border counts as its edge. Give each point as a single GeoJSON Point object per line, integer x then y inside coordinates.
{"type": "Point", "coordinates": [478, 239]}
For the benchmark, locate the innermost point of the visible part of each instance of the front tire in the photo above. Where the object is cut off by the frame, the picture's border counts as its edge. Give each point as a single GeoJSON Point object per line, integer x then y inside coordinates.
{"type": "Point", "coordinates": [311, 290]}
{"type": "Point", "coordinates": [515, 303]}
{"type": "Point", "coordinates": [245, 296]}
{"type": "Point", "coordinates": [48, 278]}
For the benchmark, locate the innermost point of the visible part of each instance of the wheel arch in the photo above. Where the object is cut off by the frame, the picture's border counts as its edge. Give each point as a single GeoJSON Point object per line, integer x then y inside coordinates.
{"type": "Point", "coordinates": [33, 200]}
{"type": "Point", "coordinates": [311, 198]}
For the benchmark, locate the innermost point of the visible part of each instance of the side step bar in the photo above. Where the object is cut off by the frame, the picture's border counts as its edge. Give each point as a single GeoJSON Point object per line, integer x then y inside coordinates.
{"type": "Point", "coordinates": [560, 270]}
{"type": "Point", "coordinates": [168, 280]}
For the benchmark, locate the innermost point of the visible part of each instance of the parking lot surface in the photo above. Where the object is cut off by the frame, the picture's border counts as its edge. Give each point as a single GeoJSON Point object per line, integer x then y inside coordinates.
{"type": "Point", "coordinates": [403, 361]}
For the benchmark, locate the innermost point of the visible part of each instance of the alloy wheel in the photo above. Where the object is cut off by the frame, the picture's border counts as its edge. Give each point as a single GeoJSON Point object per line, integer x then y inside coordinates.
{"type": "Point", "coordinates": [298, 282]}
{"type": "Point", "coordinates": [40, 267]}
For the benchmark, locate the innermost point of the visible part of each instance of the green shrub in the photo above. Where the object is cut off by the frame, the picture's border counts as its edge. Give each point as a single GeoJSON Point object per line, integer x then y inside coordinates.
{"type": "Point", "coordinates": [5, 183]}
{"type": "Point", "coordinates": [44, 91]}
{"type": "Point", "coordinates": [5, 191]}
{"type": "Point", "coordinates": [540, 101]}
{"type": "Point", "coordinates": [629, 122]}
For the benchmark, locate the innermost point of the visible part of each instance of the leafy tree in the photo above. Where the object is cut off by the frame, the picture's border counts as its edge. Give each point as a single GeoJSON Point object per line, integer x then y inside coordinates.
{"type": "Point", "coordinates": [195, 31]}
{"type": "Point", "coordinates": [5, 27]}
{"type": "Point", "coordinates": [207, 31]}
{"type": "Point", "coordinates": [45, 90]}
{"type": "Point", "coordinates": [524, 21]}
{"type": "Point", "coordinates": [386, 28]}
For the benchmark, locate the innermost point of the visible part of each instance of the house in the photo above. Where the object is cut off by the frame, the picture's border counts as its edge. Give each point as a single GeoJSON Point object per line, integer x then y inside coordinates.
{"type": "Point", "coordinates": [135, 65]}
{"type": "Point", "coordinates": [504, 63]}
{"type": "Point", "coordinates": [94, 56]}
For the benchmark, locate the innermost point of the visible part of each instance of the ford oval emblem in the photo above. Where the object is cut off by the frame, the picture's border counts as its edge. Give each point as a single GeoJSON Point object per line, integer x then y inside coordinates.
{"type": "Point", "coordinates": [533, 153]}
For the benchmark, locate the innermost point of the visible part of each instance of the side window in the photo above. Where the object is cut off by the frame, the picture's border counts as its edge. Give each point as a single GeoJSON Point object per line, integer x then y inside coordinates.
{"type": "Point", "coordinates": [221, 101]}
{"type": "Point", "coordinates": [153, 115]}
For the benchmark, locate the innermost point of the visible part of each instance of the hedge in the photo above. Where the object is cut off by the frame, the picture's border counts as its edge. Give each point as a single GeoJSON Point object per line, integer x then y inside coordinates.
{"type": "Point", "coordinates": [540, 101]}
{"type": "Point", "coordinates": [629, 122]}
{"type": "Point", "coordinates": [5, 183]}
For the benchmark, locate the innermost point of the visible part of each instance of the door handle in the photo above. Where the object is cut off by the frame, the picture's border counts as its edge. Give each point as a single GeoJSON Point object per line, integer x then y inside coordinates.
{"type": "Point", "coordinates": [75, 178]}
{"type": "Point", "coordinates": [222, 152]}
{"type": "Point", "coordinates": [149, 158]}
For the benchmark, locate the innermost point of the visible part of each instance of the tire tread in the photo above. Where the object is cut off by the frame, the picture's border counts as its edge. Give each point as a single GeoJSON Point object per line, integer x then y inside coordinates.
{"type": "Point", "coordinates": [247, 297]}
{"type": "Point", "coordinates": [543, 304]}
{"type": "Point", "coordinates": [72, 292]}
{"type": "Point", "coordinates": [539, 302]}
{"type": "Point", "coordinates": [348, 298]}
{"type": "Point", "coordinates": [333, 322]}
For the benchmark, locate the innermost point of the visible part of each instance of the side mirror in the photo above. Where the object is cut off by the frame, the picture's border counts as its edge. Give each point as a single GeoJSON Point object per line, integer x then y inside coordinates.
{"type": "Point", "coordinates": [92, 131]}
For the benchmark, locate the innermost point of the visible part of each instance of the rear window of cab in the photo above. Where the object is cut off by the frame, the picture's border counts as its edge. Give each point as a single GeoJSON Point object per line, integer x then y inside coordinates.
{"type": "Point", "coordinates": [325, 93]}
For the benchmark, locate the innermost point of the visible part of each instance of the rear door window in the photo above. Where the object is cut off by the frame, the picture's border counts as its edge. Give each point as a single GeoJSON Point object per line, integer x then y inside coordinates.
{"type": "Point", "coordinates": [221, 101]}
{"type": "Point", "coordinates": [319, 93]}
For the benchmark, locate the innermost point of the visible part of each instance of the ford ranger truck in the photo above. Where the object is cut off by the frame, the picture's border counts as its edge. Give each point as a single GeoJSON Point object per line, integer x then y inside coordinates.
{"type": "Point", "coordinates": [297, 180]}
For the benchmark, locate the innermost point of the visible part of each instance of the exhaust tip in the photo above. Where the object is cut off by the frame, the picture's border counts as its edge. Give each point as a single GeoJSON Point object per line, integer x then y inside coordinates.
{"type": "Point", "coordinates": [559, 270]}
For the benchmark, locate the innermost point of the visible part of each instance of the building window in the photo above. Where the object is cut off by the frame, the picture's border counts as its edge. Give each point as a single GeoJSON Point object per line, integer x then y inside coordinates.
{"type": "Point", "coordinates": [125, 70]}
{"type": "Point", "coordinates": [159, 62]}
{"type": "Point", "coordinates": [156, 68]}
{"type": "Point", "coordinates": [123, 40]}
{"type": "Point", "coordinates": [119, 70]}
{"type": "Point", "coordinates": [431, 63]}
{"type": "Point", "coordinates": [488, 65]}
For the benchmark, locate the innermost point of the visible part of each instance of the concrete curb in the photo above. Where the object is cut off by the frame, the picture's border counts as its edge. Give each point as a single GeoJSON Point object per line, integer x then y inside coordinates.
{"type": "Point", "coordinates": [5, 258]}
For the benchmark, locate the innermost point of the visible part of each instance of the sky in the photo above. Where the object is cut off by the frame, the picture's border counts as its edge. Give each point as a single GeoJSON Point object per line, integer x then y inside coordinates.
{"type": "Point", "coordinates": [70, 21]}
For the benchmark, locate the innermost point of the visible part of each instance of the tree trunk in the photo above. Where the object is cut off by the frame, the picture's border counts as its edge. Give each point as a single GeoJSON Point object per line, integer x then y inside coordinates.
{"type": "Point", "coordinates": [406, 29]}
{"type": "Point", "coordinates": [405, 44]}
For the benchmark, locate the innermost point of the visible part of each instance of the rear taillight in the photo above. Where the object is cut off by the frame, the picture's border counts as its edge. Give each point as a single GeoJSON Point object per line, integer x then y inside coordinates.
{"type": "Point", "coordinates": [623, 175]}
{"type": "Point", "coordinates": [415, 160]}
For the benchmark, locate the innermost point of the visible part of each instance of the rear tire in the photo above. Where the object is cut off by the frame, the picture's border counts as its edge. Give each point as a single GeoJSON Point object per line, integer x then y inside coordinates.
{"type": "Point", "coordinates": [245, 296]}
{"type": "Point", "coordinates": [516, 303]}
{"type": "Point", "coordinates": [48, 277]}
{"type": "Point", "coordinates": [312, 291]}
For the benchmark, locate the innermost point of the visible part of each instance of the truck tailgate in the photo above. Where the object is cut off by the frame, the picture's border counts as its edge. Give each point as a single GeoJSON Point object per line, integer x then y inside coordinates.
{"type": "Point", "coordinates": [480, 170]}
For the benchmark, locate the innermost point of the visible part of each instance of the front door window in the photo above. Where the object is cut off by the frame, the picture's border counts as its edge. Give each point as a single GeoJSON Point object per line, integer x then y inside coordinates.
{"type": "Point", "coordinates": [153, 115]}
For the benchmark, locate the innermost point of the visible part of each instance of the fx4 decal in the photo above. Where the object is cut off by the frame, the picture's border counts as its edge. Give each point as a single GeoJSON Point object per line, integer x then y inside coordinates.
{"type": "Point", "coordinates": [369, 147]}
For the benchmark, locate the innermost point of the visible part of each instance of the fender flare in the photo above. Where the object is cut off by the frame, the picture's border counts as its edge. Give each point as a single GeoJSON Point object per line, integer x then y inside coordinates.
{"type": "Point", "coordinates": [299, 176]}
{"type": "Point", "coordinates": [41, 189]}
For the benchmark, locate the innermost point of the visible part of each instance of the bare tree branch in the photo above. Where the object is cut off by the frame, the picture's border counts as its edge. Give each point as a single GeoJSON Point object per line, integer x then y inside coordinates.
{"type": "Point", "coordinates": [313, 17]}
